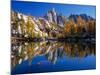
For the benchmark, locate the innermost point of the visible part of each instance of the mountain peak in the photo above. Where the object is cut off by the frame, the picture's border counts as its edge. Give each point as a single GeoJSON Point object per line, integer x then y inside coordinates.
{"type": "Point", "coordinates": [83, 16]}
{"type": "Point", "coordinates": [54, 17]}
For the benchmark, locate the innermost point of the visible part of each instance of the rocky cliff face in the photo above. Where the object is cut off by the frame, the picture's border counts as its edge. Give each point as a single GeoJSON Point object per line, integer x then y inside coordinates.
{"type": "Point", "coordinates": [52, 25]}
{"type": "Point", "coordinates": [54, 17]}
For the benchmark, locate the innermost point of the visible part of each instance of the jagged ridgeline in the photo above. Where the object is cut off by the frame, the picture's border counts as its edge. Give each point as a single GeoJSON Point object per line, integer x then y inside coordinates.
{"type": "Point", "coordinates": [52, 25]}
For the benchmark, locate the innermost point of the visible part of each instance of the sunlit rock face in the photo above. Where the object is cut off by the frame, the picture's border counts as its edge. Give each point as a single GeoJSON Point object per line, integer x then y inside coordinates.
{"type": "Point", "coordinates": [41, 27]}
{"type": "Point", "coordinates": [54, 17]}
{"type": "Point", "coordinates": [52, 25]}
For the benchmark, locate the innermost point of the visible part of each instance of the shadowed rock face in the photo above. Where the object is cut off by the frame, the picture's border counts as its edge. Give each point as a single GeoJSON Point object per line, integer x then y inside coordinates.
{"type": "Point", "coordinates": [83, 16]}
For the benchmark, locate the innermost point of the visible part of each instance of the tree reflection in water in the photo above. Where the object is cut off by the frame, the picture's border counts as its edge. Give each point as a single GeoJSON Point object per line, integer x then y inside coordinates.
{"type": "Point", "coordinates": [51, 50]}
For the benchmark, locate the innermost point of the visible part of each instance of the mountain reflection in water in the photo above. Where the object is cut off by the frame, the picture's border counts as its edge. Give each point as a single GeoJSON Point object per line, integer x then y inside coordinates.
{"type": "Point", "coordinates": [51, 56]}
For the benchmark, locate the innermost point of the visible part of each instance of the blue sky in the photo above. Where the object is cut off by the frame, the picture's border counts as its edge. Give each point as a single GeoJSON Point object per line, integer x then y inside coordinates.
{"type": "Point", "coordinates": [39, 9]}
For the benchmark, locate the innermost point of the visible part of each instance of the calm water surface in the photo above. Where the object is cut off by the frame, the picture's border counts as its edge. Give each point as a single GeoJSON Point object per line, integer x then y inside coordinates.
{"type": "Point", "coordinates": [47, 56]}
